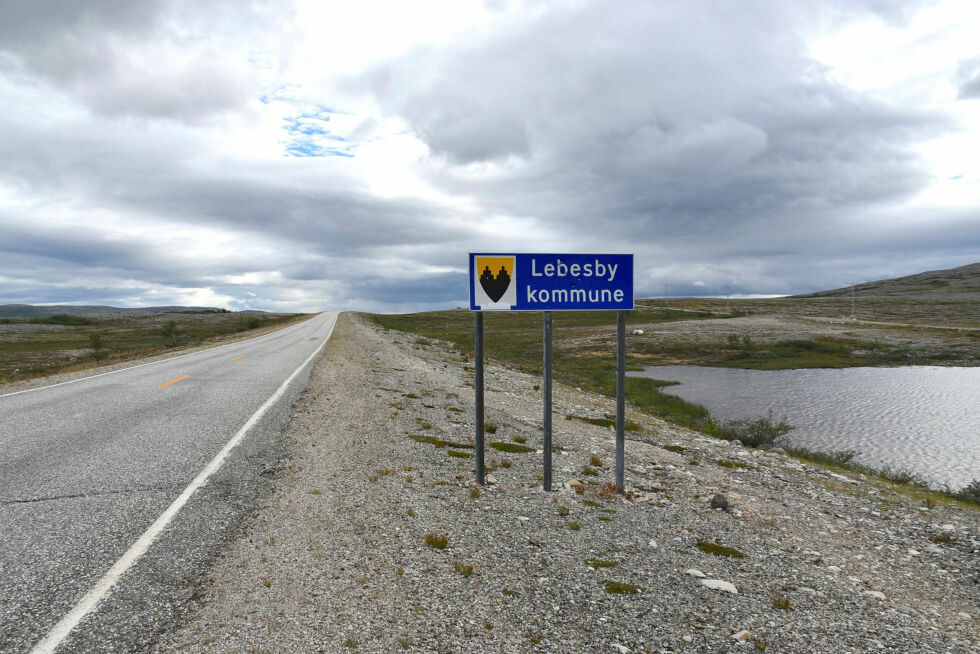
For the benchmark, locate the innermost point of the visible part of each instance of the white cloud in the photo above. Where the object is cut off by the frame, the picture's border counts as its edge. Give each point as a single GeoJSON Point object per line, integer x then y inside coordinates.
{"type": "Point", "coordinates": [309, 155]}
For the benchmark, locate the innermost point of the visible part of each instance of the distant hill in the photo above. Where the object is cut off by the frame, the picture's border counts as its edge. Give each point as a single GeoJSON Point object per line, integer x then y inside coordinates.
{"type": "Point", "coordinates": [957, 282]}
{"type": "Point", "coordinates": [33, 311]}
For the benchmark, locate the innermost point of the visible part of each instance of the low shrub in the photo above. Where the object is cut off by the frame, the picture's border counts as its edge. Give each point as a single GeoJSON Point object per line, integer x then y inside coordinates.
{"type": "Point", "coordinates": [438, 541]}
{"type": "Point", "coordinates": [970, 492]}
{"type": "Point", "coordinates": [620, 588]}
{"type": "Point", "coordinates": [755, 433]}
{"type": "Point", "coordinates": [719, 550]}
{"type": "Point", "coordinates": [513, 448]}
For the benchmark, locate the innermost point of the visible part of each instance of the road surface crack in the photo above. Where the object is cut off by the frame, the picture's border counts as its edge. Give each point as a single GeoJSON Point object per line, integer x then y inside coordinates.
{"type": "Point", "coordinates": [72, 496]}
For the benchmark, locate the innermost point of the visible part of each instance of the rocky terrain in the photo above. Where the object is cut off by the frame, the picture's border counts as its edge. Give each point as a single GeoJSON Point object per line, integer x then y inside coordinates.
{"type": "Point", "coordinates": [964, 279]}
{"type": "Point", "coordinates": [373, 537]}
{"type": "Point", "coordinates": [691, 340]}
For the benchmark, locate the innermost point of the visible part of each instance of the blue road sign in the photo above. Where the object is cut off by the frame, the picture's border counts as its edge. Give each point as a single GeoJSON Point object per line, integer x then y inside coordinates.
{"type": "Point", "coordinates": [551, 282]}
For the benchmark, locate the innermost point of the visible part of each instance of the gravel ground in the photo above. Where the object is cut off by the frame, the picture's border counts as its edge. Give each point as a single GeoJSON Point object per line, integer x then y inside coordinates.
{"type": "Point", "coordinates": [336, 560]}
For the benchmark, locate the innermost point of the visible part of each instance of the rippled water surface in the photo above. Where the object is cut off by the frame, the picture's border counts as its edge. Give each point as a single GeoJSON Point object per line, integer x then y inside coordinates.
{"type": "Point", "coordinates": [922, 418]}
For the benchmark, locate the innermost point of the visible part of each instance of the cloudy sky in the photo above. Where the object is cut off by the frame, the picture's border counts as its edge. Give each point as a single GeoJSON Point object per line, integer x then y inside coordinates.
{"type": "Point", "coordinates": [306, 154]}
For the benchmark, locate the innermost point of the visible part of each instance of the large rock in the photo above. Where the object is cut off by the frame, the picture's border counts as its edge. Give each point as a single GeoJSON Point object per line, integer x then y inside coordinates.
{"type": "Point", "coordinates": [719, 501]}
{"type": "Point", "coordinates": [719, 584]}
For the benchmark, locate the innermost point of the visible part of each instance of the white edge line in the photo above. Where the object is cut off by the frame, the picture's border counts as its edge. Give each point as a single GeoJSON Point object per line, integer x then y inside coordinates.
{"type": "Point", "coordinates": [150, 363]}
{"type": "Point", "coordinates": [104, 586]}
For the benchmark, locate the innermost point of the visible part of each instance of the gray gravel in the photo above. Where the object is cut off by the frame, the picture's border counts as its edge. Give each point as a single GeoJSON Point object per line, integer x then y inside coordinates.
{"type": "Point", "coordinates": [336, 560]}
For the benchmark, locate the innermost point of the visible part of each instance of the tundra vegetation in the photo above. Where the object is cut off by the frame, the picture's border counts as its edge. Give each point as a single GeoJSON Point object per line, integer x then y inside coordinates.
{"type": "Point", "coordinates": [39, 346]}
{"type": "Point", "coordinates": [776, 333]}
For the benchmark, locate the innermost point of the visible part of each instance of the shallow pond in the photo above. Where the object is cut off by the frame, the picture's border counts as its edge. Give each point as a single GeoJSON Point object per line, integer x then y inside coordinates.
{"type": "Point", "coordinates": [922, 418]}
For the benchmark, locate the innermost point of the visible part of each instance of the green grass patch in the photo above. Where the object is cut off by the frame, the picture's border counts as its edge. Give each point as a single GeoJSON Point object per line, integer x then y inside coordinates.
{"type": "Point", "coordinates": [438, 442]}
{"type": "Point", "coordinates": [460, 455]}
{"type": "Point", "coordinates": [621, 588]}
{"type": "Point", "coordinates": [628, 425]}
{"type": "Point", "coordinates": [724, 463]}
{"type": "Point", "coordinates": [600, 563]}
{"type": "Point", "coordinates": [719, 550]}
{"type": "Point", "coordinates": [782, 603]}
{"type": "Point", "coordinates": [513, 448]}
{"type": "Point", "coordinates": [438, 541]}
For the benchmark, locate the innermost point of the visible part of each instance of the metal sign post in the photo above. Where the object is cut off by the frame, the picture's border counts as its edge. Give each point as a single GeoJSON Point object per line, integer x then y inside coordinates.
{"type": "Point", "coordinates": [620, 399]}
{"type": "Point", "coordinates": [478, 388]}
{"type": "Point", "coordinates": [547, 401]}
{"type": "Point", "coordinates": [546, 283]}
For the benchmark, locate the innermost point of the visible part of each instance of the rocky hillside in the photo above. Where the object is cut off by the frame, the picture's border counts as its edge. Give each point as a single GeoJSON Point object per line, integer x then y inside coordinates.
{"type": "Point", "coordinates": [962, 280]}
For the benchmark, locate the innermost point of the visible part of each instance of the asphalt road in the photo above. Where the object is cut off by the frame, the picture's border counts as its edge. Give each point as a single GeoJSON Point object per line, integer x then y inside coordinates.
{"type": "Point", "coordinates": [88, 466]}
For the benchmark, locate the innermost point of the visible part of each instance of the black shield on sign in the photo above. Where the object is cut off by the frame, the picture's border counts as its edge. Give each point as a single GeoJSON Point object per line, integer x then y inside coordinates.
{"type": "Point", "coordinates": [494, 285]}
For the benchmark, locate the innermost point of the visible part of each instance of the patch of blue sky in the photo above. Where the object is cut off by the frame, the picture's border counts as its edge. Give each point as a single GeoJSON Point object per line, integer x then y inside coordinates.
{"type": "Point", "coordinates": [310, 148]}
{"type": "Point", "coordinates": [310, 135]}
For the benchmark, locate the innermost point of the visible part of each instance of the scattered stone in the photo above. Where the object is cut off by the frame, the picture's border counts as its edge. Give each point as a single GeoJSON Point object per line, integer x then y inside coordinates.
{"type": "Point", "coordinates": [877, 594]}
{"type": "Point", "coordinates": [622, 649]}
{"type": "Point", "coordinates": [718, 584]}
{"type": "Point", "coordinates": [736, 441]}
{"type": "Point", "coordinates": [778, 450]}
{"type": "Point", "coordinates": [719, 501]}
{"type": "Point", "coordinates": [491, 480]}
{"type": "Point", "coordinates": [369, 570]}
{"type": "Point", "coordinates": [741, 635]}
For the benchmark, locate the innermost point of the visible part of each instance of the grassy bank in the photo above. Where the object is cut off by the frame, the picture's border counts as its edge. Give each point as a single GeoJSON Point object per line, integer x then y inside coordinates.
{"type": "Point", "coordinates": [584, 357]}
{"type": "Point", "coordinates": [515, 338]}
{"type": "Point", "coordinates": [734, 351]}
{"type": "Point", "coordinates": [35, 347]}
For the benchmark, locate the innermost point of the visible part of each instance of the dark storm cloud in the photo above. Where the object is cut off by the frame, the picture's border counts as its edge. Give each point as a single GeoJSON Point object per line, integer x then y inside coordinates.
{"type": "Point", "coordinates": [426, 290]}
{"type": "Point", "coordinates": [123, 57]}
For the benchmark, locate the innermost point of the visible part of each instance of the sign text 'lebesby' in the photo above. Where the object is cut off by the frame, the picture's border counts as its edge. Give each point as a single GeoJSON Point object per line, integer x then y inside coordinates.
{"type": "Point", "coordinates": [551, 282]}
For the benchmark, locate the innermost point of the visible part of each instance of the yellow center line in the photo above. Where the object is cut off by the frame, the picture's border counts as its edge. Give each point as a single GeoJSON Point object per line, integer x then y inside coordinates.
{"type": "Point", "coordinates": [240, 356]}
{"type": "Point", "coordinates": [173, 381]}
